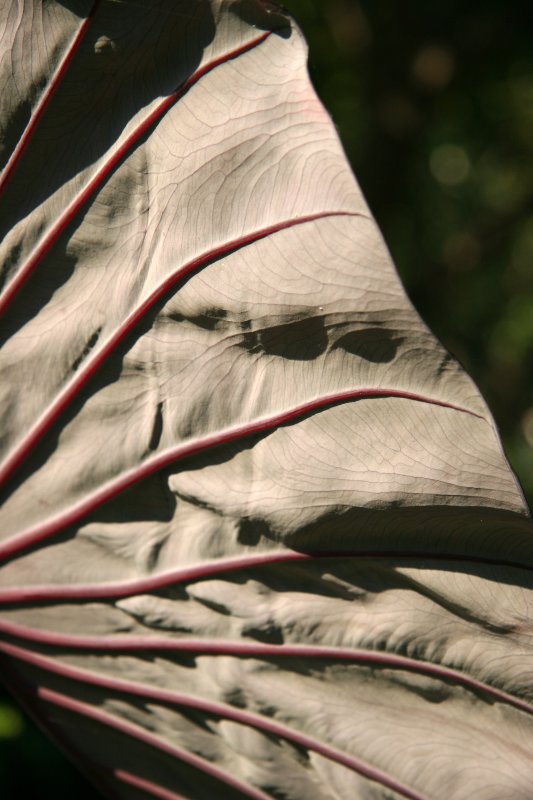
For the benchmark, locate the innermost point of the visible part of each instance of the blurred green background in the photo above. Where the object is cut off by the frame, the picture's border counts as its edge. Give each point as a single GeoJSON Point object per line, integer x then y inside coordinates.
{"type": "Point", "coordinates": [434, 105]}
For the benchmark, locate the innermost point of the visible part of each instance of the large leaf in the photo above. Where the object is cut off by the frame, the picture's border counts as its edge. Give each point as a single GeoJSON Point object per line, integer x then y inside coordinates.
{"type": "Point", "coordinates": [258, 537]}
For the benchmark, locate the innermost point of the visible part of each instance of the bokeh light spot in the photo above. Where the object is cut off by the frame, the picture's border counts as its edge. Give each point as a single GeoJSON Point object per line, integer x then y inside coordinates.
{"type": "Point", "coordinates": [503, 184]}
{"type": "Point", "coordinates": [449, 164]}
{"type": "Point", "coordinates": [433, 67]}
{"type": "Point", "coordinates": [11, 722]}
{"type": "Point", "coordinates": [527, 426]}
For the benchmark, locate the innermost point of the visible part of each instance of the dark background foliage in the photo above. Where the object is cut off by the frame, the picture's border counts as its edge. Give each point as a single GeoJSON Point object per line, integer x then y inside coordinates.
{"type": "Point", "coordinates": [434, 105]}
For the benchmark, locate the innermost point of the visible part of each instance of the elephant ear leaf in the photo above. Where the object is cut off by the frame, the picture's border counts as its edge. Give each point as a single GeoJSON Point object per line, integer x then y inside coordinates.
{"type": "Point", "coordinates": [258, 536]}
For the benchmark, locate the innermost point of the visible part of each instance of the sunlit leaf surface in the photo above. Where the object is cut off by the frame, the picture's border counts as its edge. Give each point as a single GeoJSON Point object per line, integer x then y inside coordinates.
{"type": "Point", "coordinates": [258, 535]}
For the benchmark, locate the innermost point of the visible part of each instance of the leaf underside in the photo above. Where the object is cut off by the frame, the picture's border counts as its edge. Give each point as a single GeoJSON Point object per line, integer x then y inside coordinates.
{"type": "Point", "coordinates": [258, 536]}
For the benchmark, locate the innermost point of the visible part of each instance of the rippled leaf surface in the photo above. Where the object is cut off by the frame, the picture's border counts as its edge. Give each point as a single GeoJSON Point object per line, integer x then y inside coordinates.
{"type": "Point", "coordinates": [258, 536]}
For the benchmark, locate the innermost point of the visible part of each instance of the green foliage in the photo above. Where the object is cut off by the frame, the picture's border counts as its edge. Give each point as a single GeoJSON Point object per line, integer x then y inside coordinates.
{"type": "Point", "coordinates": [11, 722]}
{"type": "Point", "coordinates": [31, 765]}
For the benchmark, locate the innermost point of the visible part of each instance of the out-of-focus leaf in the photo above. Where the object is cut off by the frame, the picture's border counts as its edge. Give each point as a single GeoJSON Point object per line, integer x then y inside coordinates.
{"type": "Point", "coordinates": [258, 534]}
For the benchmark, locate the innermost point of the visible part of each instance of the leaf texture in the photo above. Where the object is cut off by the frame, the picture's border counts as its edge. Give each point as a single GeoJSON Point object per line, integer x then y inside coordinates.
{"type": "Point", "coordinates": [258, 535]}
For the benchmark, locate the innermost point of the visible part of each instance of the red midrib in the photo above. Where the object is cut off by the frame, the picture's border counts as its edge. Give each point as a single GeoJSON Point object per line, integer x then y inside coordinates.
{"type": "Point", "coordinates": [210, 707]}
{"type": "Point", "coordinates": [146, 786]}
{"type": "Point", "coordinates": [147, 468]}
{"type": "Point", "coordinates": [96, 182]}
{"type": "Point", "coordinates": [45, 100]}
{"type": "Point", "coordinates": [135, 731]}
{"type": "Point", "coordinates": [131, 643]}
{"type": "Point", "coordinates": [25, 539]}
{"type": "Point", "coordinates": [68, 394]}
{"type": "Point", "coordinates": [38, 593]}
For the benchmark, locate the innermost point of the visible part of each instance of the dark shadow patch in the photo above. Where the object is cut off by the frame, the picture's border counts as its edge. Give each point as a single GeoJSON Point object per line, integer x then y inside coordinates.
{"type": "Point", "coordinates": [377, 345]}
{"type": "Point", "coordinates": [340, 578]}
{"type": "Point", "coordinates": [152, 559]}
{"type": "Point", "coordinates": [107, 373]}
{"type": "Point", "coordinates": [490, 542]}
{"type": "Point", "coordinates": [447, 362]}
{"type": "Point", "coordinates": [251, 531]}
{"type": "Point", "coordinates": [268, 633]}
{"type": "Point", "coordinates": [213, 319]}
{"type": "Point", "coordinates": [14, 126]}
{"type": "Point", "coordinates": [39, 289]}
{"type": "Point", "coordinates": [208, 602]}
{"type": "Point", "coordinates": [157, 428]}
{"type": "Point", "coordinates": [151, 499]}
{"type": "Point", "coordinates": [264, 15]}
{"type": "Point", "coordinates": [87, 349]}
{"type": "Point", "coordinates": [299, 340]}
